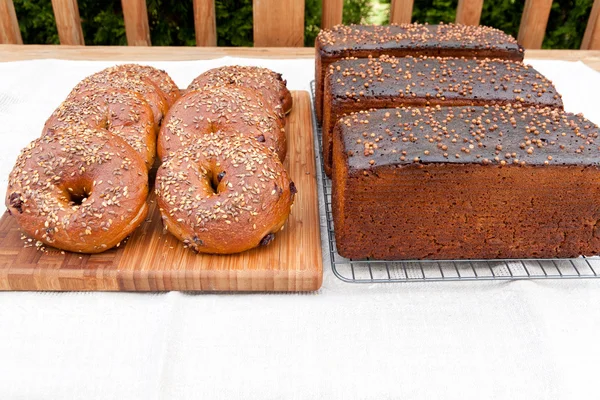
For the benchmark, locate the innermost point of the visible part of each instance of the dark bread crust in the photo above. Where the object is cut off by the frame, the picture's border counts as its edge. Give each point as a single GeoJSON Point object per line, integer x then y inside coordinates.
{"type": "Point", "coordinates": [361, 84]}
{"type": "Point", "coordinates": [524, 190]}
{"type": "Point", "coordinates": [508, 134]}
{"type": "Point", "coordinates": [446, 40]}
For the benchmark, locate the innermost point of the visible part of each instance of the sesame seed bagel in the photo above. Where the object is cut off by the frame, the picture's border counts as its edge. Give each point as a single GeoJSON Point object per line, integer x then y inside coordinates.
{"type": "Point", "coordinates": [224, 194]}
{"type": "Point", "coordinates": [79, 189]}
{"type": "Point", "coordinates": [198, 113]}
{"type": "Point", "coordinates": [262, 80]}
{"type": "Point", "coordinates": [121, 112]}
{"type": "Point", "coordinates": [159, 77]}
{"type": "Point", "coordinates": [128, 80]}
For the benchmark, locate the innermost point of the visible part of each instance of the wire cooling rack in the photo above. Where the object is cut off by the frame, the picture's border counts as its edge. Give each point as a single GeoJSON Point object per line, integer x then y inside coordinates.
{"type": "Point", "coordinates": [377, 271]}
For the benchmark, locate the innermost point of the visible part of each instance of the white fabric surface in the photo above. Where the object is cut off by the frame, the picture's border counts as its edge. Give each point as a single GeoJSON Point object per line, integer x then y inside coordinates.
{"type": "Point", "coordinates": [468, 340]}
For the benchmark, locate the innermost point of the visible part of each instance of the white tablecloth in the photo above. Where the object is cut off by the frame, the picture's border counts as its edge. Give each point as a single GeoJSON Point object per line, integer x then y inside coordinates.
{"type": "Point", "coordinates": [467, 340]}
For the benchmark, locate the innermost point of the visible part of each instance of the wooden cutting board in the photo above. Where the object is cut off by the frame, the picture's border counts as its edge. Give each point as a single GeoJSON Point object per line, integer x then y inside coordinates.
{"type": "Point", "coordinates": [153, 260]}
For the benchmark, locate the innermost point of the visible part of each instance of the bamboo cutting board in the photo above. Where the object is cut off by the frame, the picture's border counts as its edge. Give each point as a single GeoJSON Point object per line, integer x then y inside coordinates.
{"type": "Point", "coordinates": [153, 260]}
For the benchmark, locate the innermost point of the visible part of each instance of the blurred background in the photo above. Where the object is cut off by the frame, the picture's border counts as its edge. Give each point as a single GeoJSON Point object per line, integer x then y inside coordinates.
{"type": "Point", "coordinates": [172, 21]}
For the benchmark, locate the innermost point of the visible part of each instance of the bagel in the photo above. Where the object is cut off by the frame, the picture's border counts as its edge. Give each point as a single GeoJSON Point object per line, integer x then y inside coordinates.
{"type": "Point", "coordinates": [198, 113]}
{"type": "Point", "coordinates": [79, 189]}
{"type": "Point", "coordinates": [262, 80]}
{"type": "Point", "coordinates": [225, 193]}
{"type": "Point", "coordinates": [127, 80]}
{"type": "Point", "coordinates": [121, 112]}
{"type": "Point", "coordinates": [159, 77]}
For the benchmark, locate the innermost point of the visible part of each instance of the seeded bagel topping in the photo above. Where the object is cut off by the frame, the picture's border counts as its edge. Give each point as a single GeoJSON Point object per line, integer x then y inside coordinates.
{"type": "Point", "coordinates": [159, 77]}
{"type": "Point", "coordinates": [117, 80]}
{"type": "Point", "coordinates": [82, 186]}
{"type": "Point", "coordinates": [127, 80]}
{"type": "Point", "coordinates": [262, 80]}
{"type": "Point", "coordinates": [224, 193]}
{"type": "Point", "coordinates": [121, 112]}
{"type": "Point", "coordinates": [212, 109]}
{"type": "Point", "coordinates": [75, 180]}
{"type": "Point", "coordinates": [260, 174]}
{"type": "Point", "coordinates": [230, 105]}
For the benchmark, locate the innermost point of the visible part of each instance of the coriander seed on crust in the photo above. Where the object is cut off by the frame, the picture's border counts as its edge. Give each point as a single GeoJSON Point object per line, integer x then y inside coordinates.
{"type": "Point", "coordinates": [498, 201]}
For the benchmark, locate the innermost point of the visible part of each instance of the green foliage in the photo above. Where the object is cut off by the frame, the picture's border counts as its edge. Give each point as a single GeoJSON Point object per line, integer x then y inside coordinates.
{"type": "Point", "coordinates": [102, 22]}
{"type": "Point", "coordinates": [234, 22]}
{"type": "Point", "coordinates": [380, 12]}
{"type": "Point", "coordinates": [172, 24]}
{"type": "Point", "coordinates": [503, 14]}
{"type": "Point", "coordinates": [312, 21]}
{"type": "Point", "coordinates": [356, 11]}
{"type": "Point", "coordinates": [566, 26]}
{"type": "Point", "coordinates": [435, 11]}
{"type": "Point", "coordinates": [36, 21]}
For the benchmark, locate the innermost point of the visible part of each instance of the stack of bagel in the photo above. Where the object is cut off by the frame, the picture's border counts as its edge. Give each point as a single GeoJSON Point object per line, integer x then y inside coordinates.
{"type": "Point", "coordinates": [83, 185]}
{"type": "Point", "coordinates": [222, 187]}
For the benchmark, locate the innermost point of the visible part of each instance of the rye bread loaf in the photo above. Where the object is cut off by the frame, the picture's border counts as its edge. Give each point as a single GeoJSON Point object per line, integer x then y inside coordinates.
{"type": "Point", "coordinates": [445, 40]}
{"type": "Point", "coordinates": [466, 182]}
{"type": "Point", "coordinates": [361, 84]}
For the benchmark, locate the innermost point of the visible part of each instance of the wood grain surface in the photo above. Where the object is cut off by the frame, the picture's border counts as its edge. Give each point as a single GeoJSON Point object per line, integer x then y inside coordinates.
{"type": "Point", "coordinates": [135, 15]}
{"type": "Point", "coordinates": [533, 23]}
{"type": "Point", "coordinates": [11, 52]}
{"type": "Point", "coordinates": [153, 260]}
{"type": "Point", "coordinates": [278, 23]}
{"type": "Point", "coordinates": [468, 12]}
{"type": "Point", "coordinates": [9, 26]}
{"type": "Point", "coordinates": [205, 22]}
{"type": "Point", "coordinates": [68, 22]}
{"type": "Point", "coordinates": [332, 13]}
{"type": "Point", "coordinates": [591, 38]}
{"type": "Point", "coordinates": [401, 11]}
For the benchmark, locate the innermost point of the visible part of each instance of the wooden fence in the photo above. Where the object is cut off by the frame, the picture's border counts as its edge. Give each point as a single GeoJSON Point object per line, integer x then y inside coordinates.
{"type": "Point", "coordinates": [280, 23]}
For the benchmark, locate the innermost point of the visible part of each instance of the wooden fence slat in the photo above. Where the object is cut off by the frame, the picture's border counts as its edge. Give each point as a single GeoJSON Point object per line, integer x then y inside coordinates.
{"type": "Point", "coordinates": [332, 13]}
{"type": "Point", "coordinates": [533, 23]}
{"type": "Point", "coordinates": [278, 23]}
{"type": "Point", "coordinates": [9, 26]}
{"type": "Point", "coordinates": [137, 29]}
{"type": "Point", "coordinates": [468, 12]}
{"type": "Point", "coordinates": [591, 38]}
{"type": "Point", "coordinates": [401, 11]}
{"type": "Point", "coordinates": [205, 22]}
{"type": "Point", "coordinates": [68, 22]}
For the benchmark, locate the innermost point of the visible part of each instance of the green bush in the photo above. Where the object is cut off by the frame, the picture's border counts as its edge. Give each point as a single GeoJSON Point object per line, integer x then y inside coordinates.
{"type": "Point", "coordinates": [312, 21]}
{"type": "Point", "coordinates": [566, 25]}
{"type": "Point", "coordinates": [171, 21]}
{"type": "Point", "coordinates": [568, 19]}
